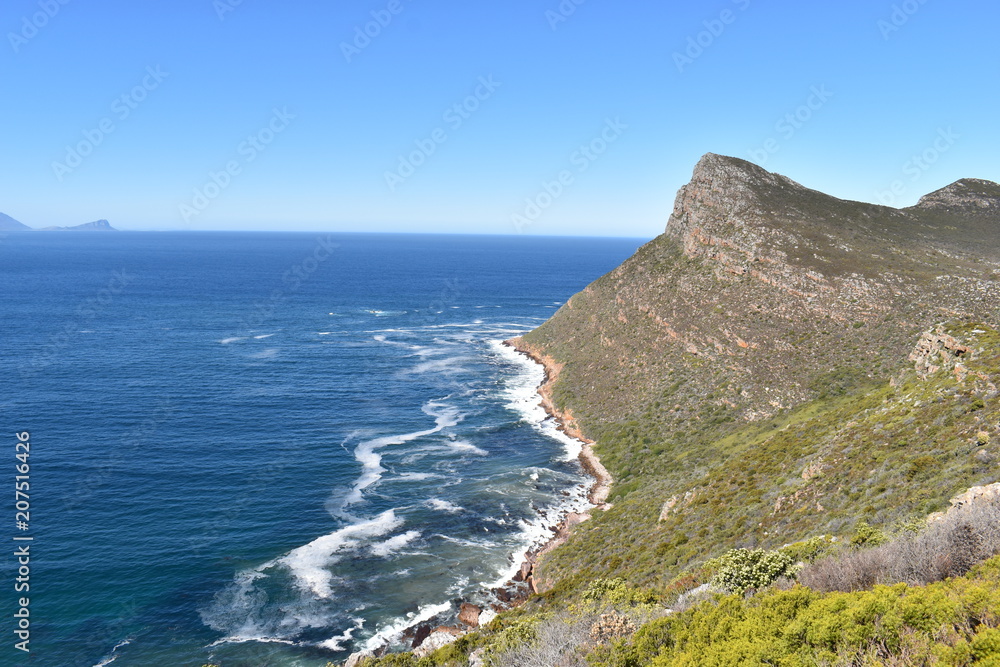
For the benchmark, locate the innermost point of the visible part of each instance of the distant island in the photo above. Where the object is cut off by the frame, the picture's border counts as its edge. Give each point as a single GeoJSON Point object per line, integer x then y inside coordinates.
{"type": "Point", "coordinates": [9, 224]}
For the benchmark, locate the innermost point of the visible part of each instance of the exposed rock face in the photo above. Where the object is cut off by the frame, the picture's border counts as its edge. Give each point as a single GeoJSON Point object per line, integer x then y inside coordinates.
{"type": "Point", "coordinates": [769, 284]}
{"type": "Point", "coordinates": [974, 496]}
{"type": "Point", "coordinates": [937, 350]}
{"type": "Point", "coordinates": [469, 614]}
{"type": "Point", "coordinates": [356, 659]}
{"type": "Point", "coordinates": [439, 638]}
{"type": "Point", "coordinates": [977, 494]}
{"type": "Point", "coordinates": [478, 658]}
{"type": "Point", "coordinates": [970, 196]}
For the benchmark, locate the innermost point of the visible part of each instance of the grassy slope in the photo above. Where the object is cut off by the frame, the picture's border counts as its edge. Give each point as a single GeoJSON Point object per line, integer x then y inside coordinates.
{"type": "Point", "coordinates": [766, 417]}
{"type": "Point", "coordinates": [884, 454]}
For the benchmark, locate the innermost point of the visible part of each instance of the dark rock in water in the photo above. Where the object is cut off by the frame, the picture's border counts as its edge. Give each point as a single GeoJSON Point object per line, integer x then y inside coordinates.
{"type": "Point", "coordinates": [420, 634]}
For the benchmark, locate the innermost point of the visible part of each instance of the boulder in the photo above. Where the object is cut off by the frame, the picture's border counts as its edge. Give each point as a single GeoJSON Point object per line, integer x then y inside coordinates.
{"type": "Point", "coordinates": [469, 614]}
{"type": "Point", "coordinates": [356, 659]}
{"type": "Point", "coordinates": [438, 638]}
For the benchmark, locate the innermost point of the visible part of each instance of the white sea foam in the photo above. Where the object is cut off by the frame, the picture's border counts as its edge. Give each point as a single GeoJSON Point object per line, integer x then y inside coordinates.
{"type": "Point", "coordinates": [227, 341]}
{"type": "Point", "coordinates": [419, 476]}
{"type": "Point", "coordinates": [247, 640]}
{"type": "Point", "coordinates": [263, 336]}
{"type": "Point", "coordinates": [444, 506]}
{"type": "Point", "coordinates": [309, 563]}
{"type": "Point", "coordinates": [394, 544]}
{"type": "Point", "coordinates": [367, 454]}
{"type": "Point", "coordinates": [448, 366]}
{"type": "Point", "coordinates": [112, 657]}
{"type": "Point", "coordinates": [394, 629]}
{"type": "Point", "coordinates": [463, 447]}
{"type": "Point", "coordinates": [269, 353]}
{"type": "Point", "coordinates": [333, 643]}
{"type": "Point", "coordinates": [521, 393]}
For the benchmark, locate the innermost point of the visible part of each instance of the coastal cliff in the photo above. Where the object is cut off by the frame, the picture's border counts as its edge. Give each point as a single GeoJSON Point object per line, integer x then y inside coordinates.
{"type": "Point", "coordinates": [780, 372]}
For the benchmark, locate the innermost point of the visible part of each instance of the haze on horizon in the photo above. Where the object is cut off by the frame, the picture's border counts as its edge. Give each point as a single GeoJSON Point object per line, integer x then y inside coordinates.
{"type": "Point", "coordinates": [552, 117]}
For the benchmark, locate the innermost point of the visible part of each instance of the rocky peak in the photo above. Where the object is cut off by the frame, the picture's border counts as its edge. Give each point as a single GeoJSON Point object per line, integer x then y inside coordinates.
{"type": "Point", "coordinates": [968, 195]}
{"type": "Point", "coordinates": [729, 173]}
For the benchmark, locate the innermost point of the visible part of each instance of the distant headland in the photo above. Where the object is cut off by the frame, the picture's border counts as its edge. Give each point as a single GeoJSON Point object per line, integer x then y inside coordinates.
{"type": "Point", "coordinates": [9, 224]}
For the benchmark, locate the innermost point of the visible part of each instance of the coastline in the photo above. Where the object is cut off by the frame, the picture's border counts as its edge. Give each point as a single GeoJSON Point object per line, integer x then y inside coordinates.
{"type": "Point", "coordinates": [599, 490]}
{"type": "Point", "coordinates": [518, 589]}
{"type": "Point", "coordinates": [598, 494]}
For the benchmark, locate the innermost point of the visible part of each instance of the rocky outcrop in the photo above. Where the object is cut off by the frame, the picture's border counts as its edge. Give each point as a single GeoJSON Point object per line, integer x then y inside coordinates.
{"type": "Point", "coordinates": [438, 638]}
{"type": "Point", "coordinates": [469, 614]}
{"type": "Point", "coordinates": [938, 350]}
{"type": "Point", "coordinates": [356, 659]}
{"type": "Point", "coordinates": [758, 288]}
{"type": "Point", "coordinates": [969, 196]}
{"type": "Point", "coordinates": [977, 495]}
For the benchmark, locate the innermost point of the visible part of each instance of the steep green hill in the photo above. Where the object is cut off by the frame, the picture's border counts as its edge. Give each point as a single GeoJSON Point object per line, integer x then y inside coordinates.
{"type": "Point", "coordinates": [779, 365]}
{"type": "Point", "coordinates": [752, 365]}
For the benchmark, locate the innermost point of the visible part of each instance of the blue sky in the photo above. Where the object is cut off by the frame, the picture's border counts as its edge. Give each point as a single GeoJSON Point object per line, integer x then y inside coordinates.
{"type": "Point", "coordinates": [572, 119]}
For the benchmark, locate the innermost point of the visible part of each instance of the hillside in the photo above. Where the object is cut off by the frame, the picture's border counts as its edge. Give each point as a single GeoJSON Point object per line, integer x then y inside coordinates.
{"type": "Point", "coordinates": [778, 366]}
{"type": "Point", "coordinates": [95, 226]}
{"type": "Point", "coordinates": [760, 299]}
{"type": "Point", "coordinates": [9, 224]}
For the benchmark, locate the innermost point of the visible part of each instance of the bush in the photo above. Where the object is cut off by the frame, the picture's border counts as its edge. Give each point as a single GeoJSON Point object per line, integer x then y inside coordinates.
{"type": "Point", "coordinates": [956, 622]}
{"type": "Point", "coordinates": [554, 643]}
{"type": "Point", "coordinates": [740, 570]}
{"type": "Point", "coordinates": [948, 547]}
{"type": "Point", "coordinates": [617, 592]}
{"type": "Point", "coordinates": [868, 536]}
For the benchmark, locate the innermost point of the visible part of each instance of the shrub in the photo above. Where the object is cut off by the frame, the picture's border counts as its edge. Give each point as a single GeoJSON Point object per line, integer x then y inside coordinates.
{"type": "Point", "coordinates": [948, 547]}
{"type": "Point", "coordinates": [948, 623]}
{"type": "Point", "coordinates": [866, 535]}
{"type": "Point", "coordinates": [553, 643]}
{"type": "Point", "coordinates": [617, 592]}
{"type": "Point", "coordinates": [740, 570]}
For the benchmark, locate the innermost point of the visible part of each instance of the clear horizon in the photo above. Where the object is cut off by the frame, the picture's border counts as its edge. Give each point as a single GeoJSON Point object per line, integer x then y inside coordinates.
{"type": "Point", "coordinates": [542, 117]}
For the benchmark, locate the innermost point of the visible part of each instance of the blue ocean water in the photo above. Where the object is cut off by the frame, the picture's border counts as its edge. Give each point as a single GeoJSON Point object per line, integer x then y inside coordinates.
{"type": "Point", "coordinates": [272, 449]}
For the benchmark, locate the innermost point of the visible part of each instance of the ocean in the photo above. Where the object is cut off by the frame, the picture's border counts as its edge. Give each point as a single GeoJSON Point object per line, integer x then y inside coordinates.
{"type": "Point", "coordinates": [274, 449]}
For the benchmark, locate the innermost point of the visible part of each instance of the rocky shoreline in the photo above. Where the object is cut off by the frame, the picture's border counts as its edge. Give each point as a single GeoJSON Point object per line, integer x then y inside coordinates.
{"type": "Point", "coordinates": [599, 492]}
{"type": "Point", "coordinates": [428, 636]}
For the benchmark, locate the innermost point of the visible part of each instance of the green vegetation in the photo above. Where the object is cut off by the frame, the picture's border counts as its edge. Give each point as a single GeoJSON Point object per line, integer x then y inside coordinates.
{"type": "Point", "coordinates": [783, 386]}
{"type": "Point", "coordinates": [956, 622]}
{"type": "Point", "coordinates": [741, 570]}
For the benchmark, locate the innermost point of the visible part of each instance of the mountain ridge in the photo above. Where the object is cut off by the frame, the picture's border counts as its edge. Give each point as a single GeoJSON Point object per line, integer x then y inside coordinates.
{"type": "Point", "coordinates": [9, 224]}
{"type": "Point", "coordinates": [780, 374]}
{"type": "Point", "coordinates": [95, 226]}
